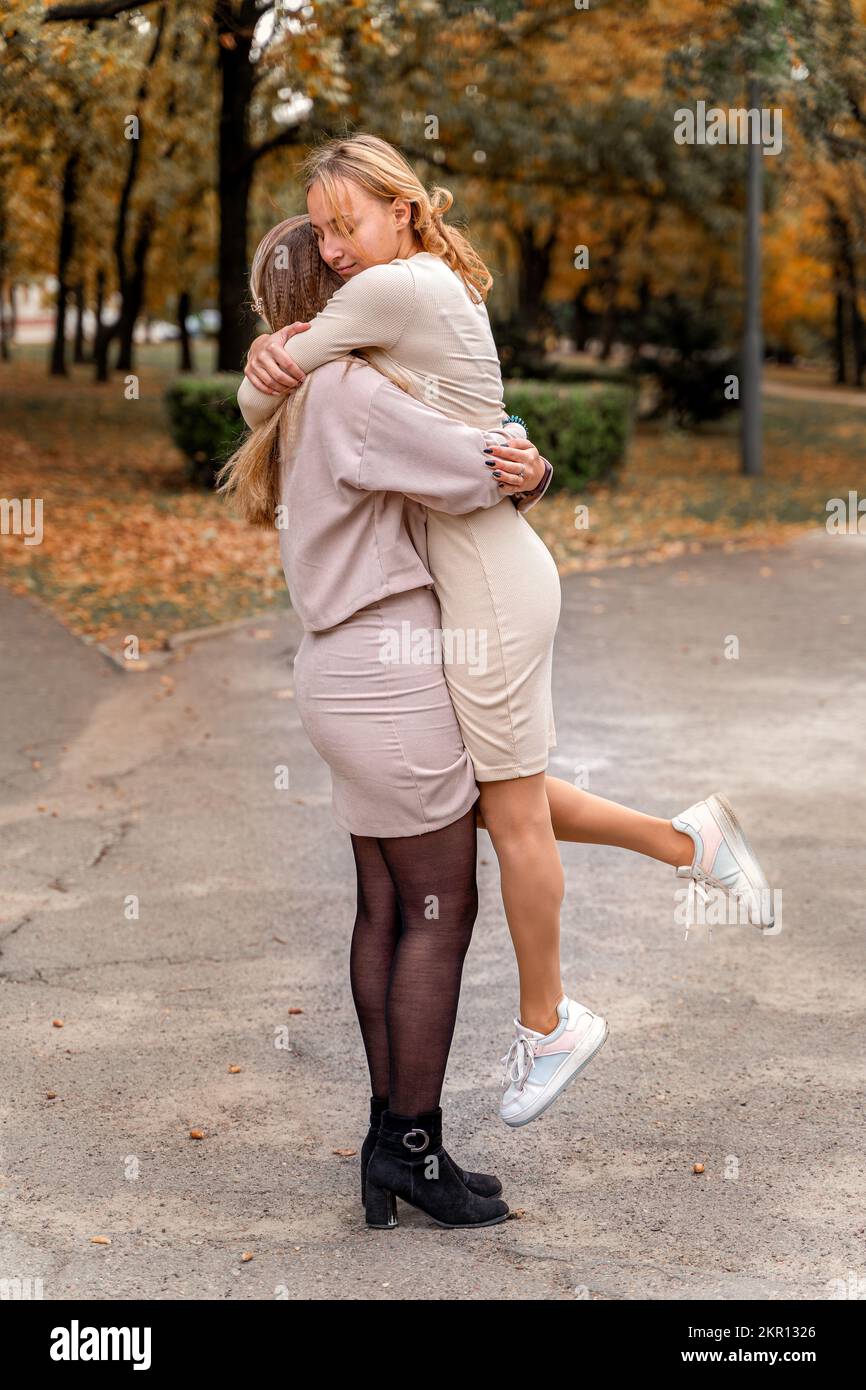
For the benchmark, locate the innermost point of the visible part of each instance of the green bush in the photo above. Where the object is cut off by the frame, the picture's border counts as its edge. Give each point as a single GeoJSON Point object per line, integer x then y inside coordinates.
{"type": "Point", "coordinates": [693, 389]}
{"type": "Point", "coordinates": [682, 345]}
{"type": "Point", "coordinates": [583, 430]}
{"type": "Point", "coordinates": [206, 422]}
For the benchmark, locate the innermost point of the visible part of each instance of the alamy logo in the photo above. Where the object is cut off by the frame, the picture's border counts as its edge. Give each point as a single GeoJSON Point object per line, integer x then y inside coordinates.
{"type": "Point", "coordinates": [846, 518]}
{"type": "Point", "coordinates": [422, 646]}
{"type": "Point", "coordinates": [696, 905]}
{"type": "Point", "coordinates": [22, 516]}
{"type": "Point", "coordinates": [737, 126]}
{"type": "Point", "coordinates": [76, 1343]}
{"type": "Point", "coordinates": [14, 1289]}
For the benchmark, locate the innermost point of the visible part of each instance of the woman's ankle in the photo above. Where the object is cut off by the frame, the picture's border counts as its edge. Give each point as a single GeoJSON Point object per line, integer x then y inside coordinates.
{"type": "Point", "coordinates": [541, 1018]}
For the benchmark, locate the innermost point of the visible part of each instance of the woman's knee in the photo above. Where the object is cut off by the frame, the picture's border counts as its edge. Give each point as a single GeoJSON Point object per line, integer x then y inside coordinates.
{"type": "Point", "coordinates": [515, 817]}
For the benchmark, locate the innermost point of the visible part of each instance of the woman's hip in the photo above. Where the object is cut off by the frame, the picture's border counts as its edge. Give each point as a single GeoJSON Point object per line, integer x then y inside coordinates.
{"type": "Point", "coordinates": [372, 697]}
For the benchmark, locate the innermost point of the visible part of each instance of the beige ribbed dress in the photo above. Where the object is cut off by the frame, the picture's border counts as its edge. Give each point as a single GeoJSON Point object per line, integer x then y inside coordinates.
{"type": "Point", "coordinates": [496, 581]}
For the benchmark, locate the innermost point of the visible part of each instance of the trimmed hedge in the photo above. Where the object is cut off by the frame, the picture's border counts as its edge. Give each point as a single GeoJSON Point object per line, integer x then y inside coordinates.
{"type": "Point", "coordinates": [584, 430]}
{"type": "Point", "coordinates": [206, 422]}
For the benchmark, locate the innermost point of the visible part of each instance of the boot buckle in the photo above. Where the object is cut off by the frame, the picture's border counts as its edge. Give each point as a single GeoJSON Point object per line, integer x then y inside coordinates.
{"type": "Point", "coordinates": [416, 1148]}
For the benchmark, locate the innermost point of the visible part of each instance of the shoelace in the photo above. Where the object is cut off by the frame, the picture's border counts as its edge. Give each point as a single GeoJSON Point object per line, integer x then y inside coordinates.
{"type": "Point", "coordinates": [519, 1061]}
{"type": "Point", "coordinates": [696, 885]}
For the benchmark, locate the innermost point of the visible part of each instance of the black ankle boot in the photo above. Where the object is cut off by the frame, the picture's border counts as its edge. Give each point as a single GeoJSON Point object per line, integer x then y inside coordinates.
{"type": "Point", "coordinates": [377, 1109]}
{"type": "Point", "coordinates": [485, 1184]}
{"type": "Point", "coordinates": [410, 1162]}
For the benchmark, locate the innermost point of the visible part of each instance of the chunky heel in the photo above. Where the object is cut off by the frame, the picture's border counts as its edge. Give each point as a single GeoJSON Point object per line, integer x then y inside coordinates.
{"type": "Point", "coordinates": [381, 1208]}
{"type": "Point", "coordinates": [410, 1162]}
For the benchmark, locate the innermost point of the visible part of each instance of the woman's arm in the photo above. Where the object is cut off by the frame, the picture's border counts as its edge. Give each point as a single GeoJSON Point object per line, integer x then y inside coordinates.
{"type": "Point", "coordinates": [255, 406]}
{"type": "Point", "coordinates": [436, 460]}
{"type": "Point", "coordinates": [370, 310]}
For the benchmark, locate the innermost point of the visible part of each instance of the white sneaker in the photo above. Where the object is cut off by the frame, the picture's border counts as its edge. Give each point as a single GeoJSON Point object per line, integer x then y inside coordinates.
{"type": "Point", "coordinates": [725, 859]}
{"type": "Point", "coordinates": [538, 1066]}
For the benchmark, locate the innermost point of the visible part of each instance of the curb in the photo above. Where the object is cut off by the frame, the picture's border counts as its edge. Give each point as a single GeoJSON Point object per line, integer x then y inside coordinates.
{"type": "Point", "coordinates": [654, 548]}
{"type": "Point", "coordinates": [163, 656]}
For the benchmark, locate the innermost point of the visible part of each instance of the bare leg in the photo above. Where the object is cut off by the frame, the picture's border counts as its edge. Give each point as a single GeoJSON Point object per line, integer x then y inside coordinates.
{"type": "Point", "coordinates": [582, 817]}
{"type": "Point", "coordinates": [517, 817]}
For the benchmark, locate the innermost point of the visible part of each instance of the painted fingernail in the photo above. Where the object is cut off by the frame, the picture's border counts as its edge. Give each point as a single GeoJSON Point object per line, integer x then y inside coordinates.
{"type": "Point", "coordinates": [489, 463]}
{"type": "Point", "coordinates": [496, 473]}
{"type": "Point", "coordinates": [488, 450]}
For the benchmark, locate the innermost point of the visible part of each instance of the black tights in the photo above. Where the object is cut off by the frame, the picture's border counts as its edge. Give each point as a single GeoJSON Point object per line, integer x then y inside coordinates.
{"type": "Point", "coordinates": [417, 903]}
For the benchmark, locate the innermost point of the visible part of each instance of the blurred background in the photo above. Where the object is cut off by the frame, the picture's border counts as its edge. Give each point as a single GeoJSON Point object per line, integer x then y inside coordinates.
{"type": "Point", "coordinates": [679, 312]}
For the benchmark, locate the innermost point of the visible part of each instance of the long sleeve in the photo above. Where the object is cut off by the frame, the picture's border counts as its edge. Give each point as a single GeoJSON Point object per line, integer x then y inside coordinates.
{"type": "Point", "coordinates": [416, 450]}
{"type": "Point", "coordinates": [370, 310]}
{"type": "Point", "coordinates": [528, 499]}
{"type": "Point", "coordinates": [254, 405]}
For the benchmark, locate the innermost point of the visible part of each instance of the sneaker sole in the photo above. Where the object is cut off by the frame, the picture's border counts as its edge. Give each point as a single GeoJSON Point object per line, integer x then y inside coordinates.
{"type": "Point", "coordinates": [527, 1119]}
{"type": "Point", "coordinates": [722, 809]}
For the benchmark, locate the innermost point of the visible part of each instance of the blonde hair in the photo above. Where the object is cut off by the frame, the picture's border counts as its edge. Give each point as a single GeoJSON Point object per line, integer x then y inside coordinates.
{"type": "Point", "coordinates": [289, 283]}
{"type": "Point", "coordinates": [382, 170]}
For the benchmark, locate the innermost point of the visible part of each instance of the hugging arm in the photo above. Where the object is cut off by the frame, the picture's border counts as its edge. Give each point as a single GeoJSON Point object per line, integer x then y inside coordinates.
{"type": "Point", "coordinates": [414, 449]}
{"type": "Point", "coordinates": [370, 310]}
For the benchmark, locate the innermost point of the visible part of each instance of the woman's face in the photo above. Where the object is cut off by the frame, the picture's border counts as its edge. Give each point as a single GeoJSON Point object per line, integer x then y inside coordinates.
{"type": "Point", "coordinates": [381, 229]}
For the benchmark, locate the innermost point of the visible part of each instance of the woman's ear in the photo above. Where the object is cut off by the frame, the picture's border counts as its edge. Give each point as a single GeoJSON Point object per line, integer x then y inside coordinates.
{"type": "Point", "coordinates": [402, 210]}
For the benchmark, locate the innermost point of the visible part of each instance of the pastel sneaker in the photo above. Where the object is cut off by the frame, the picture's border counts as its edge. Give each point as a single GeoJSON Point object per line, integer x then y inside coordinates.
{"type": "Point", "coordinates": [724, 859]}
{"type": "Point", "coordinates": [538, 1066]}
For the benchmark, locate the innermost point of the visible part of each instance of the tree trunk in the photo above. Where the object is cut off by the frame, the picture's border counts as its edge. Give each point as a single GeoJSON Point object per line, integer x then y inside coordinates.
{"type": "Point", "coordinates": [839, 340]}
{"type": "Point", "coordinates": [133, 298]}
{"type": "Point", "coordinates": [99, 305]}
{"type": "Point", "coordinates": [130, 281]}
{"type": "Point", "coordinates": [4, 325]}
{"type": "Point", "coordinates": [4, 322]}
{"type": "Point", "coordinates": [580, 318]}
{"type": "Point", "coordinates": [610, 316]}
{"type": "Point", "coordinates": [65, 247]}
{"type": "Point", "coordinates": [532, 276]}
{"type": "Point", "coordinates": [78, 353]}
{"type": "Point", "coordinates": [235, 33]}
{"type": "Point", "coordinates": [849, 344]}
{"type": "Point", "coordinates": [183, 312]}
{"type": "Point", "coordinates": [104, 332]}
